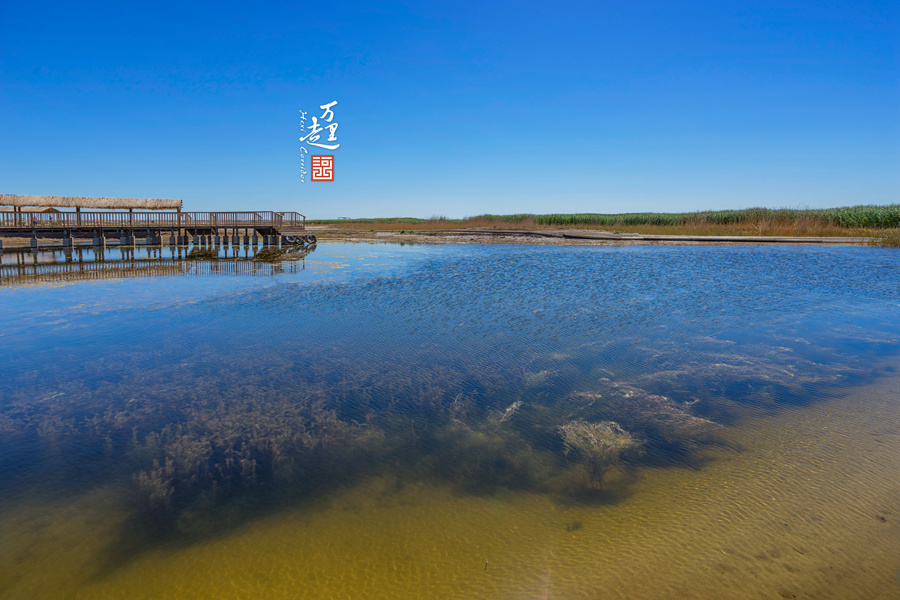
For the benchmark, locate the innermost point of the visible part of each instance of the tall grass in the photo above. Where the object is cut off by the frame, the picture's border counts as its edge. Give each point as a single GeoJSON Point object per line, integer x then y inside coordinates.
{"type": "Point", "coordinates": [891, 239]}
{"type": "Point", "coordinates": [758, 219]}
{"type": "Point", "coordinates": [863, 216]}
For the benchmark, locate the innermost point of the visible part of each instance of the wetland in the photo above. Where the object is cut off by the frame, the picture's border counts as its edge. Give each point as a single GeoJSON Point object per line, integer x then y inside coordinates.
{"type": "Point", "coordinates": [452, 421]}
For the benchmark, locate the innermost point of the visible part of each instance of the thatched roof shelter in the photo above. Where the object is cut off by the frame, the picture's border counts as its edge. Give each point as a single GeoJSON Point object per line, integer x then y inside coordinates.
{"type": "Point", "coordinates": [86, 202]}
{"type": "Point", "coordinates": [38, 209]}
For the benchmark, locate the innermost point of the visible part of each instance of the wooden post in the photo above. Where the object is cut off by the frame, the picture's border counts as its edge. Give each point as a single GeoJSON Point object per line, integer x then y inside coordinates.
{"type": "Point", "coordinates": [78, 216]}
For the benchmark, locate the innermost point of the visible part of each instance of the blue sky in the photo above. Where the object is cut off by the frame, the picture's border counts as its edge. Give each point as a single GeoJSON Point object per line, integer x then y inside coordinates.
{"type": "Point", "coordinates": [455, 108]}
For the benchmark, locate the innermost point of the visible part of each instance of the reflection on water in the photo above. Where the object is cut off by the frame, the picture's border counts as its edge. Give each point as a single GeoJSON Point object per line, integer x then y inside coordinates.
{"type": "Point", "coordinates": [79, 264]}
{"type": "Point", "coordinates": [458, 421]}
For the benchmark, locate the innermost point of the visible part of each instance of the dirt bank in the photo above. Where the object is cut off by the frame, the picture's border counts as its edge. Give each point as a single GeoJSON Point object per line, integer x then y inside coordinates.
{"type": "Point", "coordinates": [559, 237]}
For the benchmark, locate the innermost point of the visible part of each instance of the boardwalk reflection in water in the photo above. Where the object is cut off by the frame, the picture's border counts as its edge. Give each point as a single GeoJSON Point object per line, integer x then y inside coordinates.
{"type": "Point", "coordinates": [80, 264]}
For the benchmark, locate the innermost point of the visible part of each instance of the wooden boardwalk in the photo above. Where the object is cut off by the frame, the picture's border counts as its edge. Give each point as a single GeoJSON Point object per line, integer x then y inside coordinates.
{"type": "Point", "coordinates": [154, 223]}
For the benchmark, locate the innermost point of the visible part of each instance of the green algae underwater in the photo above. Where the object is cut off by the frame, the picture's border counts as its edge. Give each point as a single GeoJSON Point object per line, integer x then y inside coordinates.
{"type": "Point", "coordinates": [459, 422]}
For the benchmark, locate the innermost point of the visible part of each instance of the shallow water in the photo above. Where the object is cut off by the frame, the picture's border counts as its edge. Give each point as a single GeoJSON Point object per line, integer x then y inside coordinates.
{"type": "Point", "coordinates": [371, 421]}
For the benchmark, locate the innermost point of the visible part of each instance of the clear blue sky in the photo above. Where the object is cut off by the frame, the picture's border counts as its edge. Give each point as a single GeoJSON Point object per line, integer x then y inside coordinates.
{"type": "Point", "coordinates": [455, 108]}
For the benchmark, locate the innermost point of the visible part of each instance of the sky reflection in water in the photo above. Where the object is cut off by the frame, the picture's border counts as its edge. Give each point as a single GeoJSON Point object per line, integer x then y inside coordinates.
{"type": "Point", "coordinates": [456, 364]}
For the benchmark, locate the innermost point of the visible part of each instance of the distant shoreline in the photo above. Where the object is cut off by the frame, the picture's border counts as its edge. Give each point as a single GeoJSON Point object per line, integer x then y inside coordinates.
{"type": "Point", "coordinates": [568, 237]}
{"type": "Point", "coordinates": [864, 224]}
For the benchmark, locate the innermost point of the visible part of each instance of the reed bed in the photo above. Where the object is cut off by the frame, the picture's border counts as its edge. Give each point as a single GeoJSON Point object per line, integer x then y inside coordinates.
{"type": "Point", "coordinates": [862, 220]}
{"type": "Point", "coordinates": [891, 238]}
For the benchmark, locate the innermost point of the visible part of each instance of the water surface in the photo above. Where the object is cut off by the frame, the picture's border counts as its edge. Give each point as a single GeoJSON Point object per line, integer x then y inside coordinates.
{"type": "Point", "coordinates": [371, 421]}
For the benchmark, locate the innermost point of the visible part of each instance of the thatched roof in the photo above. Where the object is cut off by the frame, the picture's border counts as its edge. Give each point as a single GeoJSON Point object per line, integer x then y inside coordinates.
{"type": "Point", "coordinates": [37, 209]}
{"type": "Point", "coordinates": [83, 202]}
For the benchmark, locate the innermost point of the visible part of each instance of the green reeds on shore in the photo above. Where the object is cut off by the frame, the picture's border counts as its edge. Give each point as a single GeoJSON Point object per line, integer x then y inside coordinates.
{"type": "Point", "coordinates": [863, 216]}
{"type": "Point", "coordinates": [764, 221]}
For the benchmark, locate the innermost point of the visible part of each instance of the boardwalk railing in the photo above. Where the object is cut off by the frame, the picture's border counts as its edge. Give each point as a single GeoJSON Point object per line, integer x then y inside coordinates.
{"type": "Point", "coordinates": [155, 220]}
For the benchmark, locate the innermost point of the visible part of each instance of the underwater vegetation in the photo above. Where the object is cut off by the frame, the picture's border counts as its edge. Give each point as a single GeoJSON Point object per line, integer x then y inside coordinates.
{"type": "Point", "coordinates": [599, 445]}
{"type": "Point", "coordinates": [202, 433]}
{"type": "Point", "coordinates": [236, 447]}
{"type": "Point", "coordinates": [650, 415]}
{"type": "Point", "coordinates": [449, 370]}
